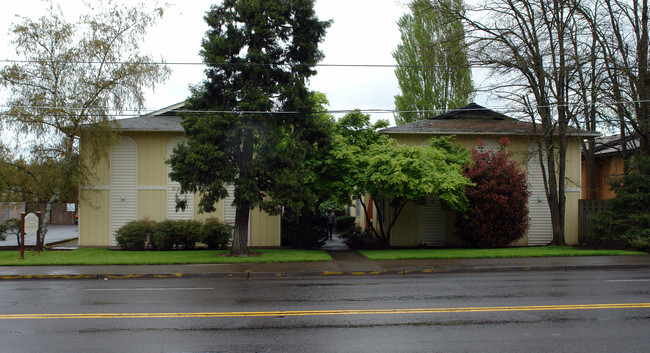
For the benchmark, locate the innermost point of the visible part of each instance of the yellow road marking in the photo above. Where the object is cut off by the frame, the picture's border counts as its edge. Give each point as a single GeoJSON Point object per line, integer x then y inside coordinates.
{"type": "Point", "coordinates": [324, 312]}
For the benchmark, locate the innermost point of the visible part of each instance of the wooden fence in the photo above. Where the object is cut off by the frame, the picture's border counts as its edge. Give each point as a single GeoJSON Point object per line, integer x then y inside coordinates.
{"type": "Point", "coordinates": [585, 209]}
{"type": "Point", "coordinates": [11, 210]}
{"type": "Point", "coordinates": [59, 215]}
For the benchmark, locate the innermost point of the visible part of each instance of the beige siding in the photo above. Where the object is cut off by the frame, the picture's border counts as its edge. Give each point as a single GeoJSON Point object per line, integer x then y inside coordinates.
{"type": "Point", "coordinates": [541, 229]}
{"type": "Point", "coordinates": [94, 204]}
{"type": "Point", "coordinates": [574, 162]}
{"type": "Point", "coordinates": [408, 226]}
{"type": "Point", "coordinates": [94, 217]}
{"type": "Point", "coordinates": [174, 189]}
{"type": "Point", "coordinates": [149, 204]}
{"type": "Point", "coordinates": [150, 196]}
{"type": "Point", "coordinates": [218, 214]}
{"type": "Point", "coordinates": [123, 170]}
{"type": "Point", "coordinates": [152, 154]}
{"type": "Point", "coordinates": [100, 173]}
{"type": "Point", "coordinates": [264, 229]}
{"type": "Point", "coordinates": [406, 231]}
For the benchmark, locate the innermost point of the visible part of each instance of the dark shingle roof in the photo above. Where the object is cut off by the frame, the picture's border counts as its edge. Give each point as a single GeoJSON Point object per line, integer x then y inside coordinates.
{"type": "Point", "coordinates": [161, 120]}
{"type": "Point", "coordinates": [473, 119]}
{"type": "Point", "coordinates": [609, 145]}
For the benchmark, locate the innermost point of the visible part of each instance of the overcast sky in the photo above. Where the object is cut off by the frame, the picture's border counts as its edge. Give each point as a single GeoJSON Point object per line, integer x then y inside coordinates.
{"type": "Point", "coordinates": [362, 32]}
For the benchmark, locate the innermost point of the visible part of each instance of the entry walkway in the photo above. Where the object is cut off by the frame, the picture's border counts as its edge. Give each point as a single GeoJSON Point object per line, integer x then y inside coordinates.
{"type": "Point", "coordinates": [346, 259]}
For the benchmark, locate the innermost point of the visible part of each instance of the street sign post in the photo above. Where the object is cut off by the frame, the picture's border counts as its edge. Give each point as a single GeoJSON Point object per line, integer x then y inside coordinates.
{"type": "Point", "coordinates": [30, 225]}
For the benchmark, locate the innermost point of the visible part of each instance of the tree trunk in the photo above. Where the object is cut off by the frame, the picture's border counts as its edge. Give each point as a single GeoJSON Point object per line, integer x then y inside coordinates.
{"type": "Point", "coordinates": [48, 215]}
{"type": "Point", "coordinates": [643, 82]}
{"type": "Point", "coordinates": [240, 234]}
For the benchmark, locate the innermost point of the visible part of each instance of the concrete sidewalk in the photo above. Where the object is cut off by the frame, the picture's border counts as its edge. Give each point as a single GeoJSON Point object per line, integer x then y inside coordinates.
{"type": "Point", "coordinates": [55, 234]}
{"type": "Point", "coordinates": [346, 263]}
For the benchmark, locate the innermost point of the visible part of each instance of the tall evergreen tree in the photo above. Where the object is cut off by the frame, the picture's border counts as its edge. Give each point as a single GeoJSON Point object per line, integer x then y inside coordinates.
{"type": "Point", "coordinates": [254, 125]}
{"type": "Point", "coordinates": [433, 72]}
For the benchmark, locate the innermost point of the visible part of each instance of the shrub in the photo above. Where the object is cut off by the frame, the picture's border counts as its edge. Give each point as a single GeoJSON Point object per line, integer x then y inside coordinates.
{"type": "Point", "coordinates": [164, 236]}
{"type": "Point", "coordinates": [13, 226]}
{"type": "Point", "coordinates": [188, 233]}
{"type": "Point", "coordinates": [343, 223]}
{"type": "Point", "coordinates": [307, 233]}
{"type": "Point", "coordinates": [355, 235]}
{"type": "Point", "coordinates": [627, 221]}
{"type": "Point", "coordinates": [3, 229]}
{"type": "Point", "coordinates": [135, 234]}
{"type": "Point", "coordinates": [498, 211]}
{"type": "Point", "coordinates": [215, 234]}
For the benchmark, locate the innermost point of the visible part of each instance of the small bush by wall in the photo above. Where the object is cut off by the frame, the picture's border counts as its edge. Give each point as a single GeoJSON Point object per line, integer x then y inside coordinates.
{"type": "Point", "coordinates": [135, 235]}
{"type": "Point", "coordinates": [343, 223]}
{"type": "Point", "coordinates": [164, 236]}
{"type": "Point", "coordinates": [215, 234]}
{"type": "Point", "coordinates": [308, 232]}
{"type": "Point", "coordinates": [188, 233]}
{"type": "Point", "coordinates": [170, 235]}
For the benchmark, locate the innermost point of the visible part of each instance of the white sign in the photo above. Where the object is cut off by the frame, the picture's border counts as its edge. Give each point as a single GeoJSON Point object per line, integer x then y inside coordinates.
{"type": "Point", "coordinates": [31, 224]}
{"type": "Point", "coordinates": [71, 207]}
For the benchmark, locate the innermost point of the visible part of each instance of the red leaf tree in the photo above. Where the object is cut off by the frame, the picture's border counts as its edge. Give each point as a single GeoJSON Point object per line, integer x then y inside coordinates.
{"type": "Point", "coordinates": [498, 213]}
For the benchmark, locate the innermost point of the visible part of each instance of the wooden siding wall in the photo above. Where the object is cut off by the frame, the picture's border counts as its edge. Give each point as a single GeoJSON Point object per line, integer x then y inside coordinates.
{"type": "Point", "coordinates": [150, 194]}
{"type": "Point", "coordinates": [264, 229]}
{"type": "Point", "coordinates": [607, 168]}
{"type": "Point", "coordinates": [406, 231]}
{"type": "Point", "coordinates": [94, 217]}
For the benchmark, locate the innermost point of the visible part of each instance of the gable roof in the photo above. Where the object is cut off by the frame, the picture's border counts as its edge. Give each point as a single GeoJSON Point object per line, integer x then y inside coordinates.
{"type": "Point", "coordinates": [473, 119]}
{"type": "Point", "coordinates": [164, 119]}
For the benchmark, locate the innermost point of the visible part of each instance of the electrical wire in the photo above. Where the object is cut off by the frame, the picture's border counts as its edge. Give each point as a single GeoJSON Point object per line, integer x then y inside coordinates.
{"type": "Point", "coordinates": [142, 112]}
{"type": "Point", "coordinates": [391, 66]}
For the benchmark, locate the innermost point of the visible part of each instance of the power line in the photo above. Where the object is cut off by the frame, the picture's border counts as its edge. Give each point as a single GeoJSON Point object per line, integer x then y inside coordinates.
{"type": "Point", "coordinates": [391, 66]}
{"type": "Point", "coordinates": [146, 111]}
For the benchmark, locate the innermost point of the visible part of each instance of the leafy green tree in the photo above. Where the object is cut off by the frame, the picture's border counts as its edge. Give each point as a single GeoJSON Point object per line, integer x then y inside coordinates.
{"type": "Point", "coordinates": [336, 166]}
{"type": "Point", "coordinates": [73, 78]}
{"type": "Point", "coordinates": [257, 124]}
{"type": "Point", "coordinates": [433, 72]}
{"type": "Point", "coordinates": [398, 174]}
{"type": "Point", "coordinates": [361, 161]}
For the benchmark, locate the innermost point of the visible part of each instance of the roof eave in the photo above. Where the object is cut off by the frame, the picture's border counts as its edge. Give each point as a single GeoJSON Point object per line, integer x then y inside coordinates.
{"type": "Point", "coordinates": [584, 134]}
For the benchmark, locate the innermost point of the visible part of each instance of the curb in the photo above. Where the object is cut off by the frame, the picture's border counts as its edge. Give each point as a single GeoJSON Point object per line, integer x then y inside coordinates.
{"type": "Point", "coordinates": [250, 275]}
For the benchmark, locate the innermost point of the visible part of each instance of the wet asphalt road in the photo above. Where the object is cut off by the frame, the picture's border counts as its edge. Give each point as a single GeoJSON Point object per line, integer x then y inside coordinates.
{"type": "Point", "coordinates": [332, 314]}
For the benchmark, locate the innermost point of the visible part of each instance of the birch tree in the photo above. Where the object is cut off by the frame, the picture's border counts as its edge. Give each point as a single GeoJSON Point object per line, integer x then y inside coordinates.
{"type": "Point", "coordinates": [71, 80]}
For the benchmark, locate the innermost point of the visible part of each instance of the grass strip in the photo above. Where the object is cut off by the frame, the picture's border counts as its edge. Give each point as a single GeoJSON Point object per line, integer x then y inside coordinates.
{"type": "Point", "coordinates": [543, 251]}
{"type": "Point", "coordinates": [90, 256]}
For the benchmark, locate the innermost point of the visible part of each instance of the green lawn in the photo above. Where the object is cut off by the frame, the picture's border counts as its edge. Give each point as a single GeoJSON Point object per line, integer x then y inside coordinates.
{"type": "Point", "coordinates": [544, 251]}
{"type": "Point", "coordinates": [113, 257]}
